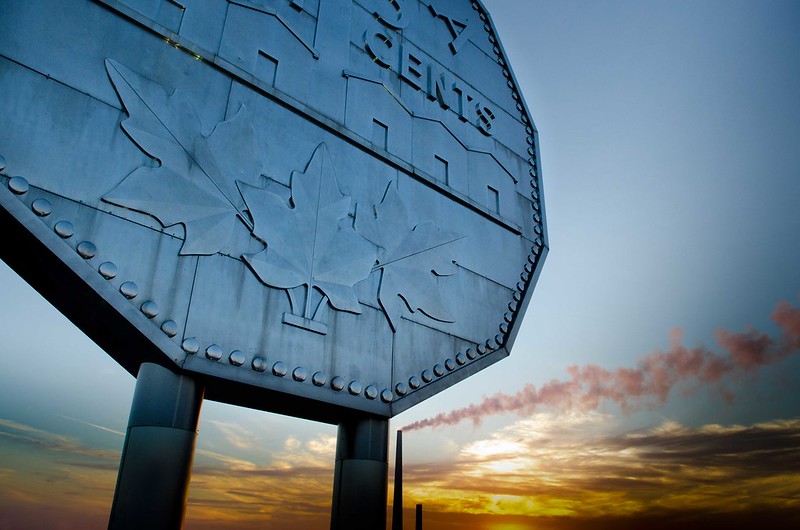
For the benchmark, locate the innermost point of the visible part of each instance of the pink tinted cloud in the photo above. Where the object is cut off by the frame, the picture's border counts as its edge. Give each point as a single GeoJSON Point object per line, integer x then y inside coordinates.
{"type": "Point", "coordinates": [651, 381]}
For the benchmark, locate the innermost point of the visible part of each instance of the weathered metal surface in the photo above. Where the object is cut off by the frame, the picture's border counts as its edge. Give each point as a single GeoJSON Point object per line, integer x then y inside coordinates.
{"type": "Point", "coordinates": [315, 207]}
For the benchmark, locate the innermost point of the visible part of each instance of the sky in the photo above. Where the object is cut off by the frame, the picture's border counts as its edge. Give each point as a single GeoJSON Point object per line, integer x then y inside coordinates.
{"type": "Point", "coordinates": [654, 380]}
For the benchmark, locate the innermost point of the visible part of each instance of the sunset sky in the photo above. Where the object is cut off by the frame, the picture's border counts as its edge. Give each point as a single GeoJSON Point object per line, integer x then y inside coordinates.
{"type": "Point", "coordinates": [654, 383]}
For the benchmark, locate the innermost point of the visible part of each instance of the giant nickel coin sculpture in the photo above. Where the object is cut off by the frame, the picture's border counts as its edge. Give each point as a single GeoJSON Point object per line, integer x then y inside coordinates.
{"type": "Point", "coordinates": [322, 208]}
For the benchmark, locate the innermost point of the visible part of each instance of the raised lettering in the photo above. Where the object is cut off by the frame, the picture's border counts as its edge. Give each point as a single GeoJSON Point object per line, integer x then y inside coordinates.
{"type": "Point", "coordinates": [379, 44]}
{"type": "Point", "coordinates": [390, 12]}
{"type": "Point", "coordinates": [459, 29]}
{"type": "Point", "coordinates": [438, 86]}
{"type": "Point", "coordinates": [411, 69]}
{"type": "Point", "coordinates": [485, 118]}
{"type": "Point", "coordinates": [464, 110]}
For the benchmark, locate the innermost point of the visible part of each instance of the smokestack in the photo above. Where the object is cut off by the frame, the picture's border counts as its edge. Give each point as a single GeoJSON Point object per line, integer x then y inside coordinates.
{"type": "Point", "coordinates": [419, 517]}
{"type": "Point", "coordinates": [397, 507]}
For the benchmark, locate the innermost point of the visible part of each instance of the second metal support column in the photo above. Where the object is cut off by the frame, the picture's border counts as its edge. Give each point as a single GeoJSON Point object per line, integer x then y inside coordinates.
{"type": "Point", "coordinates": [360, 482]}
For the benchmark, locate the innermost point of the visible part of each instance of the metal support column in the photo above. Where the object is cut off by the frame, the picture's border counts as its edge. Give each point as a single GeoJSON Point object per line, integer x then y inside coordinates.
{"type": "Point", "coordinates": [360, 482]}
{"type": "Point", "coordinates": [156, 464]}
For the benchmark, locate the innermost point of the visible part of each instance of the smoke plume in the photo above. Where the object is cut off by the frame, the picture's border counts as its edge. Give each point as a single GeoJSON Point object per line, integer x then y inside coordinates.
{"type": "Point", "coordinates": [650, 382]}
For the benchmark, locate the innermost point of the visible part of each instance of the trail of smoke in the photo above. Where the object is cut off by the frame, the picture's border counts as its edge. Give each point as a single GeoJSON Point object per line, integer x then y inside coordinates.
{"type": "Point", "coordinates": [650, 382]}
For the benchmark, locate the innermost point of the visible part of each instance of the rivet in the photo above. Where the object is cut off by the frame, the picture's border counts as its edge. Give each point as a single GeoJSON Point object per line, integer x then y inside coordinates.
{"type": "Point", "coordinates": [319, 379]}
{"type": "Point", "coordinates": [492, 39]}
{"type": "Point", "coordinates": [481, 349]}
{"type": "Point", "coordinates": [535, 194]}
{"type": "Point", "coordinates": [507, 74]}
{"type": "Point", "coordinates": [18, 185]}
{"type": "Point", "coordinates": [503, 328]}
{"type": "Point", "coordinates": [528, 130]}
{"type": "Point", "coordinates": [64, 229]}
{"type": "Point", "coordinates": [524, 118]}
{"type": "Point", "coordinates": [532, 255]}
{"type": "Point", "coordinates": [532, 162]}
{"type": "Point", "coordinates": [537, 229]}
{"type": "Point", "coordinates": [236, 358]}
{"type": "Point", "coordinates": [438, 370]}
{"type": "Point", "coordinates": [214, 352]}
{"type": "Point", "coordinates": [279, 369]}
{"type": "Point", "coordinates": [528, 268]}
{"type": "Point", "coordinates": [414, 382]}
{"type": "Point", "coordinates": [42, 207]}
{"type": "Point", "coordinates": [299, 374]}
{"type": "Point", "coordinates": [450, 364]}
{"type": "Point", "coordinates": [491, 344]}
{"type": "Point", "coordinates": [386, 395]}
{"type": "Point", "coordinates": [486, 27]}
{"type": "Point", "coordinates": [86, 249]}
{"type": "Point", "coordinates": [170, 328]}
{"type": "Point", "coordinates": [471, 354]}
{"type": "Point", "coordinates": [190, 345]}
{"type": "Point", "coordinates": [149, 308]}
{"type": "Point", "coordinates": [524, 276]}
{"type": "Point", "coordinates": [371, 392]}
{"type": "Point", "coordinates": [531, 151]}
{"type": "Point", "coordinates": [337, 383]}
{"type": "Point", "coordinates": [535, 206]}
{"type": "Point", "coordinates": [259, 364]}
{"type": "Point", "coordinates": [538, 241]}
{"type": "Point", "coordinates": [461, 359]}
{"type": "Point", "coordinates": [520, 286]}
{"type": "Point", "coordinates": [529, 139]}
{"type": "Point", "coordinates": [354, 388]}
{"type": "Point", "coordinates": [515, 96]}
{"type": "Point", "coordinates": [537, 218]}
{"type": "Point", "coordinates": [496, 50]}
{"type": "Point", "coordinates": [2, 163]}
{"type": "Point", "coordinates": [519, 107]}
{"type": "Point", "coordinates": [483, 17]}
{"type": "Point", "coordinates": [532, 172]}
{"type": "Point", "coordinates": [499, 339]}
{"type": "Point", "coordinates": [510, 83]}
{"type": "Point", "coordinates": [401, 389]}
{"type": "Point", "coordinates": [517, 296]}
{"type": "Point", "coordinates": [512, 306]}
{"type": "Point", "coordinates": [129, 290]}
{"type": "Point", "coordinates": [427, 376]}
{"type": "Point", "coordinates": [508, 317]}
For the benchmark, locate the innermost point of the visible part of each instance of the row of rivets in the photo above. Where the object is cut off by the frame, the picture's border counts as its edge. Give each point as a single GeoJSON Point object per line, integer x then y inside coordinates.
{"type": "Point", "coordinates": [87, 250]}
{"type": "Point", "coordinates": [451, 364]}
{"type": "Point", "coordinates": [279, 369]}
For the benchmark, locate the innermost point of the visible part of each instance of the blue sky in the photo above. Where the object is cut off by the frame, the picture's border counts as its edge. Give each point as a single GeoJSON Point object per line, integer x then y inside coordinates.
{"type": "Point", "coordinates": [669, 135]}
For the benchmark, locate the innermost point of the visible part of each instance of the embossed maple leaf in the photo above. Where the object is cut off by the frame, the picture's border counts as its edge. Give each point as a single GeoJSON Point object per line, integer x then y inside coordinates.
{"type": "Point", "coordinates": [311, 241]}
{"type": "Point", "coordinates": [409, 258]}
{"type": "Point", "coordinates": [195, 182]}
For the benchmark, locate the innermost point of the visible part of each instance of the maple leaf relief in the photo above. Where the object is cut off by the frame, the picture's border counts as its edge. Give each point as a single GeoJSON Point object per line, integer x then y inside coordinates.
{"type": "Point", "coordinates": [409, 259]}
{"type": "Point", "coordinates": [195, 182]}
{"type": "Point", "coordinates": [310, 241]}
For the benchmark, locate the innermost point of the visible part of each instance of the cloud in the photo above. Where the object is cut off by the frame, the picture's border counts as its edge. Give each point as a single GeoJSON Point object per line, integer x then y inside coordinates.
{"type": "Point", "coordinates": [547, 472]}
{"type": "Point", "coordinates": [292, 492]}
{"type": "Point", "coordinates": [34, 438]}
{"type": "Point", "coordinates": [650, 382]}
{"type": "Point", "coordinates": [96, 426]}
{"type": "Point", "coordinates": [235, 434]}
